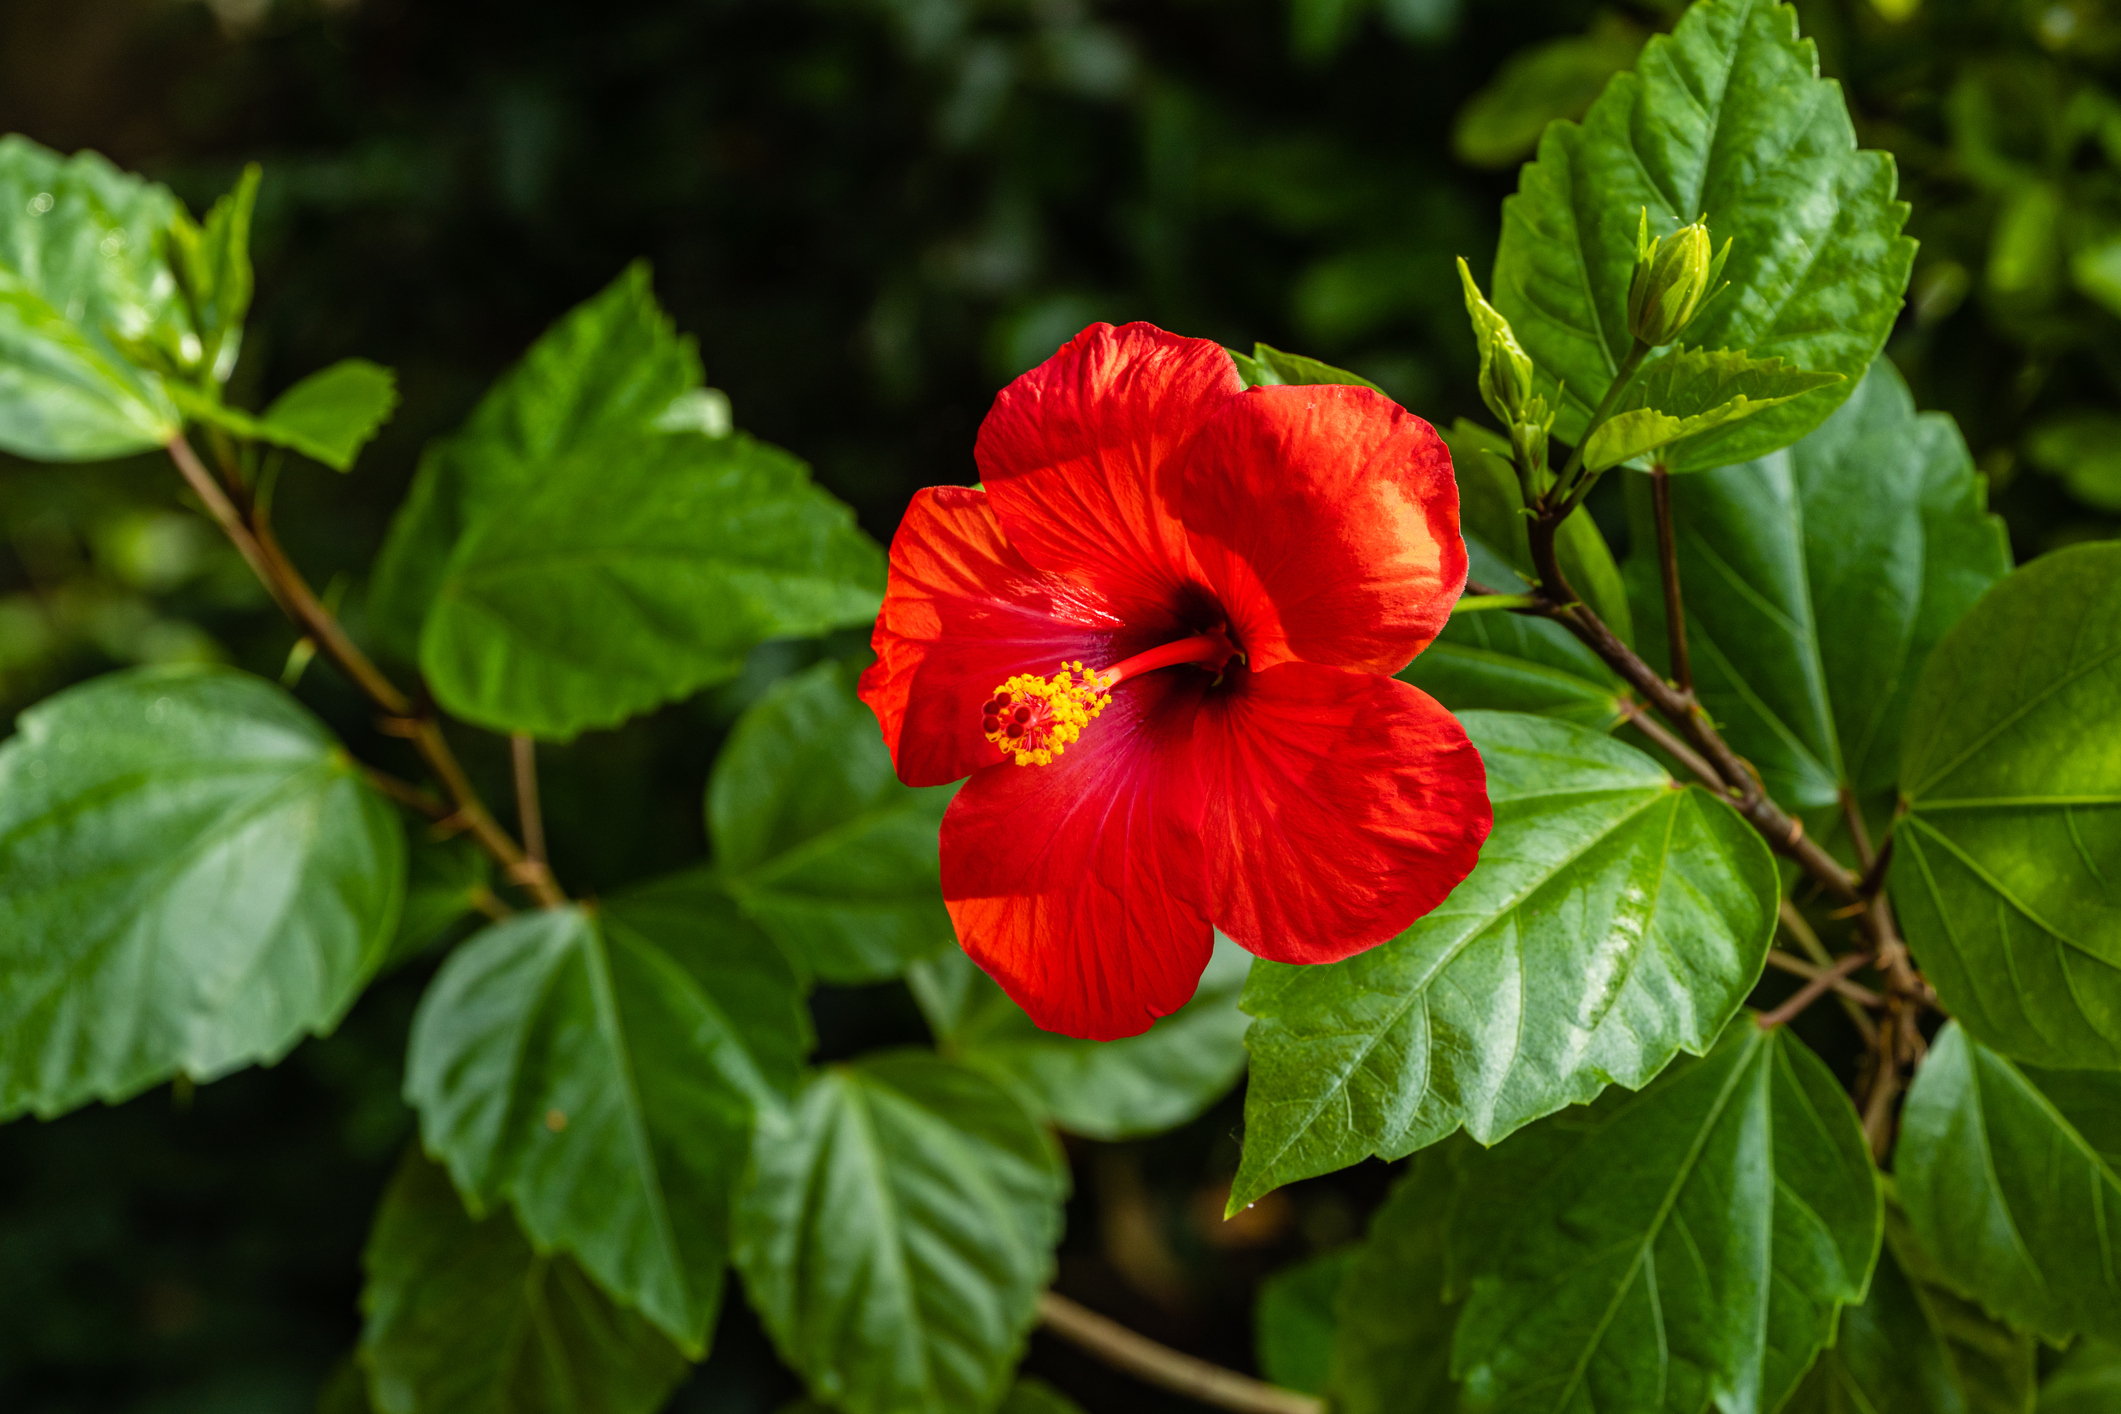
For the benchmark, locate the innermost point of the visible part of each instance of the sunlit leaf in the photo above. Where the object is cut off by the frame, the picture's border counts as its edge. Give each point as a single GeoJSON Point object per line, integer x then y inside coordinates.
{"type": "Point", "coordinates": [1688, 392]}
{"type": "Point", "coordinates": [895, 1231]}
{"type": "Point", "coordinates": [193, 876]}
{"type": "Point", "coordinates": [1615, 919]}
{"type": "Point", "coordinates": [1270, 367]}
{"type": "Point", "coordinates": [2010, 848]}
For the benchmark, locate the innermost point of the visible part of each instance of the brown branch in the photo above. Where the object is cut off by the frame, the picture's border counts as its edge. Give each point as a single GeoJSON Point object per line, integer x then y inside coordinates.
{"type": "Point", "coordinates": [1883, 1085]}
{"type": "Point", "coordinates": [1852, 817]}
{"type": "Point", "coordinates": [1679, 751]}
{"type": "Point", "coordinates": [524, 751]}
{"type": "Point", "coordinates": [1813, 990]}
{"type": "Point", "coordinates": [1668, 570]}
{"type": "Point", "coordinates": [1797, 967]}
{"type": "Point", "coordinates": [1793, 923]}
{"type": "Point", "coordinates": [406, 793]}
{"type": "Point", "coordinates": [253, 539]}
{"type": "Point", "coordinates": [1166, 1368]}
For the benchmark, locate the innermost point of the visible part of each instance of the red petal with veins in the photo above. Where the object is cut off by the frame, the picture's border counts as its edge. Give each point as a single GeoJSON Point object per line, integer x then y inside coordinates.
{"type": "Point", "coordinates": [1080, 456]}
{"type": "Point", "coordinates": [1340, 807]}
{"type": "Point", "coordinates": [1325, 518]}
{"type": "Point", "coordinates": [962, 613]}
{"type": "Point", "coordinates": [1078, 886]}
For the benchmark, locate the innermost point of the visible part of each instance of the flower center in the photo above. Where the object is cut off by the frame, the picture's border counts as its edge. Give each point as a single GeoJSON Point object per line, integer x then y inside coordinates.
{"type": "Point", "coordinates": [1033, 719]}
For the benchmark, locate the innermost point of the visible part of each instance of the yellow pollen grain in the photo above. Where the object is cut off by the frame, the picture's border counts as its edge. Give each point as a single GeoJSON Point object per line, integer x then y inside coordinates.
{"type": "Point", "coordinates": [1071, 699]}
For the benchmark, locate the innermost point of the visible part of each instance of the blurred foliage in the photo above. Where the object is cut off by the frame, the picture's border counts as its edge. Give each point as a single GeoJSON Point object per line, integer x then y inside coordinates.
{"type": "Point", "coordinates": [870, 213]}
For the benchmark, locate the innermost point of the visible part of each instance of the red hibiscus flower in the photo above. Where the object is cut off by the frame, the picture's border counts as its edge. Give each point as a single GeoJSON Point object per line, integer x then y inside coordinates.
{"type": "Point", "coordinates": [1160, 642]}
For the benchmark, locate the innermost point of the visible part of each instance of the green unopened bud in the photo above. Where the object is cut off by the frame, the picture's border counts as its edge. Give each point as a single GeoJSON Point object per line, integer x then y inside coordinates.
{"type": "Point", "coordinates": [1672, 279]}
{"type": "Point", "coordinates": [1505, 368]}
{"type": "Point", "coordinates": [1528, 440]}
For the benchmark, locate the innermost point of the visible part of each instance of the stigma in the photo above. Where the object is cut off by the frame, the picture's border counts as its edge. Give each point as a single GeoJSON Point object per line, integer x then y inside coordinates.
{"type": "Point", "coordinates": [1034, 719]}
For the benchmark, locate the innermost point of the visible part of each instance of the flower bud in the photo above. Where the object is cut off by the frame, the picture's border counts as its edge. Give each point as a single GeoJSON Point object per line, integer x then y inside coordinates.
{"type": "Point", "coordinates": [1505, 368]}
{"type": "Point", "coordinates": [1672, 278]}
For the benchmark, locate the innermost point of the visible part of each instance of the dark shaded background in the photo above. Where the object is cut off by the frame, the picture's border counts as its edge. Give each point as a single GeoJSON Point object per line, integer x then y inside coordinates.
{"type": "Point", "coordinates": [871, 213]}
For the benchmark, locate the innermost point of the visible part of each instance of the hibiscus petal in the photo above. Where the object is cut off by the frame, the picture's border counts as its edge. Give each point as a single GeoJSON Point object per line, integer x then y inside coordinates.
{"type": "Point", "coordinates": [1077, 885]}
{"type": "Point", "coordinates": [1079, 456]}
{"type": "Point", "coordinates": [1340, 807]}
{"type": "Point", "coordinates": [1325, 517]}
{"type": "Point", "coordinates": [962, 613]}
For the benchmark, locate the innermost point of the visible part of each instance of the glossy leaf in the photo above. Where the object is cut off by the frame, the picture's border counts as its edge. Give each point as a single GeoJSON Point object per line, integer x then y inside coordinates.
{"type": "Point", "coordinates": [463, 1317]}
{"type": "Point", "coordinates": [1271, 367]}
{"type": "Point", "coordinates": [816, 837]}
{"type": "Point", "coordinates": [1100, 1089]}
{"type": "Point", "coordinates": [1816, 582]}
{"type": "Point", "coordinates": [600, 1071]}
{"type": "Point", "coordinates": [83, 289]}
{"type": "Point", "coordinates": [614, 363]}
{"type": "Point", "coordinates": [1914, 1346]}
{"type": "Point", "coordinates": [2012, 1180]}
{"type": "Point", "coordinates": [193, 876]}
{"type": "Point", "coordinates": [1689, 392]}
{"type": "Point", "coordinates": [1294, 1321]}
{"type": "Point", "coordinates": [895, 1231]}
{"type": "Point", "coordinates": [1727, 116]}
{"type": "Point", "coordinates": [1683, 1248]}
{"type": "Point", "coordinates": [642, 568]}
{"type": "Point", "coordinates": [1615, 919]}
{"type": "Point", "coordinates": [2010, 851]}
{"type": "Point", "coordinates": [1392, 1348]}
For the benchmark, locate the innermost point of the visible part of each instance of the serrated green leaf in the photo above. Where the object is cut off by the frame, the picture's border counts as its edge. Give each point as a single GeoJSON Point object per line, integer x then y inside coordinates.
{"type": "Point", "coordinates": [613, 363]}
{"type": "Point", "coordinates": [2087, 1382]}
{"type": "Point", "coordinates": [463, 1317]}
{"type": "Point", "coordinates": [1392, 1349]}
{"type": "Point", "coordinates": [1492, 661]}
{"type": "Point", "coordinates": [817, 839]}
{"type": "Point", "coordinates": [1294, 1320]}
{"type": "Point", "coordinates": [1270, 367]}
{"type": "Point", "coordinates": [333, 413]}
{"type": "Point", "coordinates": [1100, 1089]}
{"type": "Point", "coordinates": [1816, 581]}
{"type": "Point", "coordinates": [1491, 506]}
{"type": "Point", "coordinates": [600, 1070]}
{"type": "Point", "coordinates": [1914, 1346]}
{"type": "Point", "coordinates": [1614, 920]}
{"type": "Point", "coordinates": [2011, 1178]}
{"type": "Point", "coordinates": [2010, 847]}
{"type": "Point", "coordinates": [643, 568]}
{"type": "Point", "coordinates": [894, 1233]}
{"type": "Point", "coordinates": [193, 876]}
{"type": "Point", "coordinates": [1726, 115]}
{"type": "Point", "coordinates": [1689, 392]}
{"type": "Point", "coordinates": [83, 285]}
{"type": "Point", "coordinates": [1680, 1249]}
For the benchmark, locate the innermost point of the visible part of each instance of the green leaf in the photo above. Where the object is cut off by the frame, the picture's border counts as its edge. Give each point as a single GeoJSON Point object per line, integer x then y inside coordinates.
{"type": "Point", "coordinates": [463, 1317]}
{"type": "Point", "coordinates": [1493, 661]}
{"type": "Point", "coordinates": [895, 1231]}
{"type": "Point", "coordinates": [1614, 920]}
{"type": "Point", "coordinates": [1270, 367]}
{"type": "Point", "coordinates": [2012, 1180]}
{"type": "Point", "coordinates": [212, 264]}
{"type": "Point", "coordinates": [2009, 855]}
{"type": "Point", "coordinates": [600, 1069]}
{"type": "Point", "coordinates": [445, 881]}
{"type": "Point", "coordinates": [1816, 581]}
{"type": "Point", "coordinates": [1499, 126]}
{"type": "Point", "coordinates": [1726, 115]}
{"type": "Point", "coordinates": [1392, 1350]}
{"type": "Point", "coordinates": [614, 363]}
{"type": "Point", "coordinates": [1916, 1347]}
{"type": "Point", "coordinates": [1100, 1089]}
{"type": "Point", "coordinates": [1689, 392]}
{"type": "Point", "coordinates": [83, 287]}
{"type": "Point", "coordinates": [1034, 1396]}
{"type": "Point", "coordinates": [1673, 1250]}
{"type": "Point", "coordinates": [1294, 1321]}
{"type": "Point", "coordinates": [332, 414]}
{"type": "Point", "coordinates": [1491, 506]}
{"type": "Point", "coordinates": [193, 876]}
{"type": "Point", "coordinates": [2088, 1382]}
{"type": "Point", "coordinates": [817, 839]}
{"type": "Point", "coordinates": [2083, 450]}
{"type": "Point", "coordinates": [645, 568]}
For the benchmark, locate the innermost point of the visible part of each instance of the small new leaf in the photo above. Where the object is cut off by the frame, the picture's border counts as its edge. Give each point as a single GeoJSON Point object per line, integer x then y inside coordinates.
{"type": "Point", "coordinates": [211, 261]}
{"type": "Point", "coordinates": [1506, 372]}
{"type": "Point", "coordinates": [333, 413]}
{"type": "Point", "coordinates": [1690, 392]}
{"type": "Point", "coordinates": [1271, 368]}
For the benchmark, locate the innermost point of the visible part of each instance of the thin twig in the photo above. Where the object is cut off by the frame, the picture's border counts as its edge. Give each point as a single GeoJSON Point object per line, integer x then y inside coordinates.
{"type": "Point", "coordinates": [1795, 925]}
{"type": "Point", "coordinates": [1873, 879]}
{"type": "Point", "coordinates": [1668, 569]}
{"type": "Point", "coordinates": [1798, 967]}
{"type": "Point", "coordinates": [1813, 990]}
{"type": "Point", "coordinates": [1685, 755]}
{"type": "Point", "coordinates": [1852, 817]}
{"type": "Point", "coordinates": [406, 793]}
{"type": "Point", "coordinates": [525, 754]}
{"type": "Point", "coordinates": [1883, 1085]}
{"type": "Point", "coordinates": [1166, 1368]}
